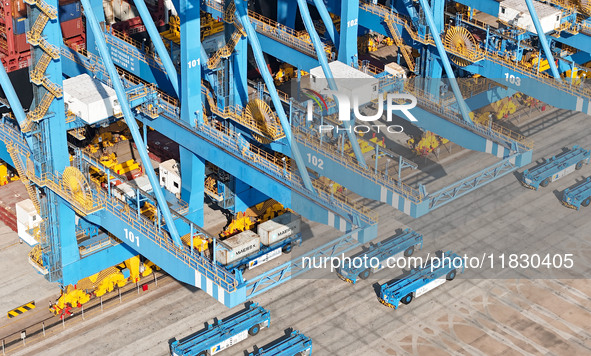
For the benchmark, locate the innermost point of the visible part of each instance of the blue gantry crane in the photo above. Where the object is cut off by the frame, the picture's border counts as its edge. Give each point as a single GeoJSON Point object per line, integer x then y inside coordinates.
{"type": "Point", "coordinates": [224, 109]}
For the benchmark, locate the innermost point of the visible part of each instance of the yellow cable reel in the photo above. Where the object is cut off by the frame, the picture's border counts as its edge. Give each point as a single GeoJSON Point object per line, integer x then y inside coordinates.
{"type": "Point", "coordinates": [462, 41]}
{"type": "Point", "coordinates": [258, 112]}
{"type": "Point", "coordinates": [75, 184]}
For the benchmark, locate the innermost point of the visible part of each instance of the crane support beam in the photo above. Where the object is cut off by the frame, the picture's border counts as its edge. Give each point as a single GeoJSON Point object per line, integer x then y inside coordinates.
{"type": "Point", "coordinates": [242, 16]}
{"type": "Point", "coordinates": [130, 120]}
{"type": "Point", "coordinates": [158, 44]}
{"type": "Point", "coordinates": [543, 39]}
{"type": "Point", "coordinates": [330, 28]}
{"type": "Point", "coordinates": [328, 74]}
{"type": "Point", "coordinates": [445, 61]}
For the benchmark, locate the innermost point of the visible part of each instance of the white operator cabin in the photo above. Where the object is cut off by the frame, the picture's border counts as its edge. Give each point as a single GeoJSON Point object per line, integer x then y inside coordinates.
{"type": "Point", "coordinates": [350, 81]}
{"type": "Point", "coordinates": [516, 13]}
{"type": "Point", "coordinates": [89, 99]}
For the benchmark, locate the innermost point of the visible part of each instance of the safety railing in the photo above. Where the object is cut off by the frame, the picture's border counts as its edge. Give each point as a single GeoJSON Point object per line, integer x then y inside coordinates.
{"type": "Point", "coordinates": [96, 245]}
{"type": "Point", "coordinates": [49, 11]}
{"type": "Point", "coordinates": [147, 228]}
{"type": "Point", "coordinates": [472, 21]}
{"type": "Point", "coordinates": [34, 34]}
{"type": "Point", "coordinates": [228, 139]}
{"type": "Point", "coordinates": [400, 44]}
{"type": "Point", "coordinates": [117, 208]}
{"type": "Point", "coordinates": [499, 131]}
{"type": "Point", "coordinates": [48, 48]}
{"type": "Point", "coordinates": [40, 110]}
{"type": "Point", "coordinates": [345, 160]}
{"type": "Point", "coordinates": [21, 172]}
{"type": "Point", "coordinates": [392, 18]}
{"type": "Point", "coordinates": [273, 131]}
{"type": "Point", "coordinates": [225, 51]}
{"type": "Point", "coordinates": [474, 55]}
{"type": "Point", "coordinates": [38, 73]}
{"type": "Point", "coordinates": [298, 40]}
{"type": "Point", "coordinates": [576, 90]}
{"type": "Point", "coordinates": [148, 58]}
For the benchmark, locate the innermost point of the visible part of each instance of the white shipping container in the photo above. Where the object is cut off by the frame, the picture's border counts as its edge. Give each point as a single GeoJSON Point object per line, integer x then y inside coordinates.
{"type": "Point", "coordinates": [143, 183]}
{"type": "Point", "coordinates": [89, 99]}
{"type": "Point", "coordinates": [170, 177]}
{"type": "Point", "coordinates": [279, 228]}
{"type": "Point", "coordinates": [123, 191]}
{"type": "Point", "coordinates": [395, 69]}
{"type": "Point", "coordinates": [238, 247]}
{"type": "Point", "coordinates": [23, 234]}
{"type": "Point", "coordinates": [516, 13]}
{"type": "Point", "coordinates": [351, 82]}
{"type": "Point", "coordinates": [26, 214]}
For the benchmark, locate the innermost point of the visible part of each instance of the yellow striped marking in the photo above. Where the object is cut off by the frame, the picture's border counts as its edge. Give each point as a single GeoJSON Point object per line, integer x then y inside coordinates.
{"type": "Point", "coordinates": [23, 308]}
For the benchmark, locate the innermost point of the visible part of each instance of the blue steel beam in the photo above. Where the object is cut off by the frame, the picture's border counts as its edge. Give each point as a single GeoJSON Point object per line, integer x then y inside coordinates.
{"type": "Point", "coordinates": [191, 106]}
{"type": "Point", "coordinates": [242, 16]}
{"type": "Point", "coordinates": [330, 28]}
{"type": "Point", "coordinates": [130, 120]}
{"type": "Point", "coordinates": [349, 31]}
{"type": "Point", "coordinates": [158, 44]}
{"type": "Point", "coordinates": [543, 41]}
{"type": "Point", "coordinates": [445, 61]}
{"type": "Point", "coordinates": [303, 6]}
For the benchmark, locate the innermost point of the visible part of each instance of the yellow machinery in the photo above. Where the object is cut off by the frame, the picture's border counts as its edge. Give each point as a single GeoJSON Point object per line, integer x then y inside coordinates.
{"type": "Point", "coordinates": [75, 184]}
{"type": "Point", "coordinates": [426, 144]}
{"type": "Point", "coordinates": [6, 174]}
{"type": "Point", "coordinates": [367, 43]}
{"type": "Point", "coordinates": [258, 113]}
{"type": "Point", "coordinates": [69, 299]}
{"type": "Point", "coordinates": [462, 41]}
{"type": "Point", "coordinates": [200, 243]}
{"type": "Point", "coordinates": [364, 145]}
{"type": "Point", "coordinates": [240, 223]}
{"type": "Point", "coordinates": [209, 26]}
{"type": "Point", "coordinates": [576, 76]}
{"type": "Point", "coordinates": [286, 73]}
{"type": "Point", "coordinates": [266, 210]}
{"type": "Point", "coordinates": [333, 186]}
{"type": "Point", "coordinates": [101, 283]}
{"type": "Point", "coordinates": [504, 107]}
{"type": "Point", "coordinates": [254, 215]}
{"type": "Point", "coordinates": [530, 60]}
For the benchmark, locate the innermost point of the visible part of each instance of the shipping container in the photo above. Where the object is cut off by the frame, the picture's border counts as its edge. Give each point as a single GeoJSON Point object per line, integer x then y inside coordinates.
{"type": "Point", "coordinates": [19, 8]}
{"type": "Point", "coordinates": [72, 28]}
{"type": "Point", "coordinates": [89, 99]}
{"type": "Point", "coordinates": [68, 12]}
{"type": "Point", "coordinates": [20, 43]}
{"type": "Point", "coordinates": [19, 25]}
{"type": "Point", "coordinates": [77, 43]}
{"type": "Point", "coordinates": [279, 228]}
{"type": "Point", "coordinates": [143, 183]}
{"type": "Point", "coordinates": [170, 177]}
{"type": "Point", "coordinates": [238, 247]}
{"type": "Point", "coordinates": [161, 148]}
{"type": "Point", "coordinates": [27, 219]}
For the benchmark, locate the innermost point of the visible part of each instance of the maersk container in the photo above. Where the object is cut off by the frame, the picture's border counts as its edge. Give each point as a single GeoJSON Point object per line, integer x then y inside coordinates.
{"type": "Point", "coordinates": [68, 12]}
{"type": "Point", "coordinates": [279, 228]}
{"type": "Point", "coordinates": [18, 25]}
{"type": "Point", "coordinates": [237, 247]}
